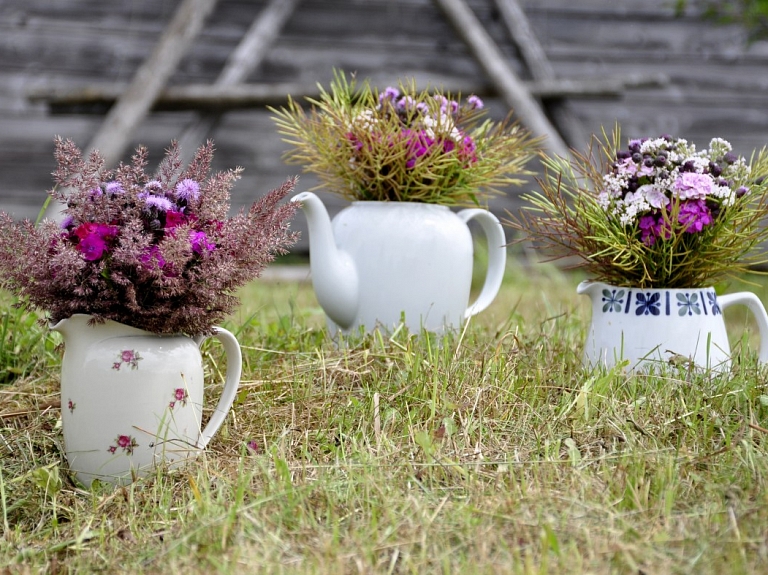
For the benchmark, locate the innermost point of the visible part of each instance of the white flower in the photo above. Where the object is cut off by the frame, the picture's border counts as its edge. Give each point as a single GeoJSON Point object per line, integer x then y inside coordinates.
{"type": "Point", "coordinates": [655, 197]}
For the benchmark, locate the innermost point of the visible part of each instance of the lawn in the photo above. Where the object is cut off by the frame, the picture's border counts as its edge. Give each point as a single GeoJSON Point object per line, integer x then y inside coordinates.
{"type": "Point", "coordinates": [488, 451]}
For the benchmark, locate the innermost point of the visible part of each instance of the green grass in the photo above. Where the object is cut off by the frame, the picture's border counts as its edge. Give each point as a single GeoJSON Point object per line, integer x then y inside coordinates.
{"type": "Point", "coordinates": [489, 451]}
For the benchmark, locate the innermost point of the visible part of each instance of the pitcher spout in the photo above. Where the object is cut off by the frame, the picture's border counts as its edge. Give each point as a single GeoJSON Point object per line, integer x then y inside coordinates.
{"type": "Point", "coordinates": [588, 288]}
{"type": "Point", "coordinates": [334, 276]}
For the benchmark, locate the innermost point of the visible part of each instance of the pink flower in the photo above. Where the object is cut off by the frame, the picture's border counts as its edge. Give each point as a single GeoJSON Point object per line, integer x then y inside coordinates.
{"type": "Point", "coordinates": [174, 219]}
{"type": "Point", "coordinates": [253, 446]}
{"type": "Point", "coordinates": [180, 393]}
{"type": "Point", "coordinates": [123, 441]}
{"type": "Point", "coordinates": [127, 355]}
{"type": "Point", "coordinates": [693, 186]}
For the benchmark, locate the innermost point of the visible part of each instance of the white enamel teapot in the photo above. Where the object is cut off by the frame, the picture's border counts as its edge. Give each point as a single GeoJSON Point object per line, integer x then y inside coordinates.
{"type": "Point", "coordinates": [378, 263]}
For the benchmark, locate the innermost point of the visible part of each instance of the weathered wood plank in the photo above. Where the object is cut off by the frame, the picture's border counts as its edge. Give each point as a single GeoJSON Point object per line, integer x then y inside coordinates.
{"type": "Point", "coordinates": [134, 103]}
{"type": "Point", "coordinates": [223, 97]}
{"type": "Point", "coordinates": [240, 64]}
{"type": "Point", "coordinates": [490, 58]}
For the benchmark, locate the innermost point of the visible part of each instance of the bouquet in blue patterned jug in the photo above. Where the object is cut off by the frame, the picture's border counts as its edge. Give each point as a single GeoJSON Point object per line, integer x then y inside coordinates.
{"type": "Point", "coordinates": [657, 213]}
{"type": "Point", "coordinates": [656, 224]}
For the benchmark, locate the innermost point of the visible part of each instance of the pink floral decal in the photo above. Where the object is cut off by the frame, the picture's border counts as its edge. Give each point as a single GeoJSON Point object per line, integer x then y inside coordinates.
{"type": "Point", "coordinates": [71, 405]}
{"type": "Point", "coordinates": [125, 442]}
{"type": "Point", "coordinates": [127, 357]}
{"type": "Point", "coordinates": [179, 395]}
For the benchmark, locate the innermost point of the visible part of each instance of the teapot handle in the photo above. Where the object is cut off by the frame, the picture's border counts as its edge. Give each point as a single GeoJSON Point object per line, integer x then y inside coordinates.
{"type": "Point", "coordinates": [497, 257]}
{"type": "Point", "coordinates": [231, 382]}
{"type": "Point", "coordinates": [758, 310]}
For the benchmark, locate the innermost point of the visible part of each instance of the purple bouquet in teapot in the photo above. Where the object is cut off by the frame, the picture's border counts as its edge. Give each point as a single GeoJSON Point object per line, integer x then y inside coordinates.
{"type": "Point", "coordinates": [653, 213]}
{"type": "Point", "coordinates": [403, 144]}
{"type": "Point", "coordinates": [158, 252]}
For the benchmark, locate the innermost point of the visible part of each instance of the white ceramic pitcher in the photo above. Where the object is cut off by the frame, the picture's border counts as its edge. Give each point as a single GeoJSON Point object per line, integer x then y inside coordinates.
{"type": "Point", "coordinates": [379, 262]}
{"type": "Point", "coordinates": [131, 399]}
{"type": "Point", "coordinates": [655, 326]}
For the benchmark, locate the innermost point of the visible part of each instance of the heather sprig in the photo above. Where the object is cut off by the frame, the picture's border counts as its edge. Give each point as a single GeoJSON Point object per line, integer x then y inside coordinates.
{"type": "Point", "coordinates": [159, 253]}
{"type": "Point", "coordinates": [656, 214]}
{"type": "Point", "coordinates": [402, 144]}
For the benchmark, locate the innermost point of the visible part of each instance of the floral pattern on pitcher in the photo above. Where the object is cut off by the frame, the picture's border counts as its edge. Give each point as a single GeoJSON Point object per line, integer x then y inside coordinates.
{"type": "Point", "coordinates": [126, 443]}
{"type": "Point", "coordinates": [180, 395]}
{"type": "Point", "coordinates": [688, 304]}
{"type": "Point", "coordinates": [128, 357]}
{"type": "Point", "coordinates": [660, 303]}
{"type": "Point", "coordinates": [71, 405]}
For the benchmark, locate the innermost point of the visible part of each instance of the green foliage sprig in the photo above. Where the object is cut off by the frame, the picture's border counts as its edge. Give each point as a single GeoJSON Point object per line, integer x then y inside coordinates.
{"type": "Point", "coordinates": [585, 210]}
{"type": "Point", "coordinates": [403, 144]}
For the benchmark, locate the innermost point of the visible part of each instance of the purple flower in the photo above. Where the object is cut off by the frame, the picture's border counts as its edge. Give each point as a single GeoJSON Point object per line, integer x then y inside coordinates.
{"type": "Point", "coordinates": [96, 192]}
{"type": "Point", "coordinates": [693, 186]}
{"type": "Point", "coordinates": [694, 215]}
{"type": "Point", "coordinates": [94, 239]}
{"type": "Point", "coordinates": [153, 187]}
{"type": "Point", "coordinates": [419, 144]}
{"type": "Point", "coordinates": [199, 242]}
{"type": "Point", "coordinates": [114, 188]}
{"type": "Point", "coordinates": [67, 222]}
{"type": "Point", "coordinates": [475, 103]}
{"type": "Point", "coordinates": [162, 204]}
{"type": "Point", "coordinates": [405, 103]}
{"type": "Point", "coordinates": [152, 257]}
{"type": "Point", "coordinates": [188, 190]}
{"type": "Point", "coordinates": [650, 229]}
{"type": "Point", "coordinates": [468, 149]}
{"type": "Point", "coordinates": [253, 446]}
{"type": "Point", "coordinates": [389, 94]}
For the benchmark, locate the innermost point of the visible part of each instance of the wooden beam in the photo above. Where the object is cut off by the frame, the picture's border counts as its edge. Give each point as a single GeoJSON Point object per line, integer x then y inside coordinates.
{"type": "Point", "coordinates": [532, 53]}
{"type": "Point", "coordinates": [98, 97]}
{"type": "Point", "coordinates": [248, 55]}
{"type": "Point", "coordinates": [115, 132]}
{"type": "Point", "coordinates": [494, 64]}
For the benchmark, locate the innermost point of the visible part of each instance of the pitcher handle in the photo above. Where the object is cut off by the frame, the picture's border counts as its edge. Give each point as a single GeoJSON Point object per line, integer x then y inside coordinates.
{"type": "Point", "coordinates": [231, 383]}
{"type": "Point", "coordinates": [758, 310]}
{"type": "Point", "coordinates": [497, 257]}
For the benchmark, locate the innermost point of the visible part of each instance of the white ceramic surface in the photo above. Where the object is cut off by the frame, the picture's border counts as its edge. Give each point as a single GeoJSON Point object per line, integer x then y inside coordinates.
{"type": "Point", "coordinates": [131, 399]}
{"type": "Point", "coordinates": [653, 326]}
{"type": "Point", "coordinates": [380, 261]}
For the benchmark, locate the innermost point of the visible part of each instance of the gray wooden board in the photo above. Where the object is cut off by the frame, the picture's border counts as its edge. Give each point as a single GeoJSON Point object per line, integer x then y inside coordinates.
{"type": "Point", "coordinates": [718, 85]}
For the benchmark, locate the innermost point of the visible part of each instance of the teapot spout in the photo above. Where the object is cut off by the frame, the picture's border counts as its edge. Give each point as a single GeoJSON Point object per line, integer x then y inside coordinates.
{"type": "Point", "coordinates": [334, 276]}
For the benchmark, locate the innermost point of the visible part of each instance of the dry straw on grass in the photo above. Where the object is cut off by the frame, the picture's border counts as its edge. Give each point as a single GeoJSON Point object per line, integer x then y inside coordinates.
{"type": "Point", "coordinates": [491, 451]}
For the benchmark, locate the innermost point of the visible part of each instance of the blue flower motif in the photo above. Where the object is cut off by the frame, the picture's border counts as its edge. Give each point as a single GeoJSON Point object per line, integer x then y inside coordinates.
{"type": "Point", "coordinates": [714, 306]}
{"type": "Point", "coordinates": [688, 304]}
{"type": "Point", "coordinates": [648, 303]}
{"type": "Point", "coordinates": [613, 300]}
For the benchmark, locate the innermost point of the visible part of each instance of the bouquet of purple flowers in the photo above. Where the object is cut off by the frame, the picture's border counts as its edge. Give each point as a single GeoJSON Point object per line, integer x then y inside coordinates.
{"type": "Point", "coordinates": [403, 144]}
{"type": "Point", "coordinates": [664, 185]}
{"type": "Point", "coordinates": [158, 253]}
{"type": "Point", "coordinates": [657, 214]}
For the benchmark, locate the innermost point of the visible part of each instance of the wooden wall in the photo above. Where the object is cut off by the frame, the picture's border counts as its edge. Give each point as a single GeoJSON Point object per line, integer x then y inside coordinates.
{"type": "Point", "coordinates": [718, 85]}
